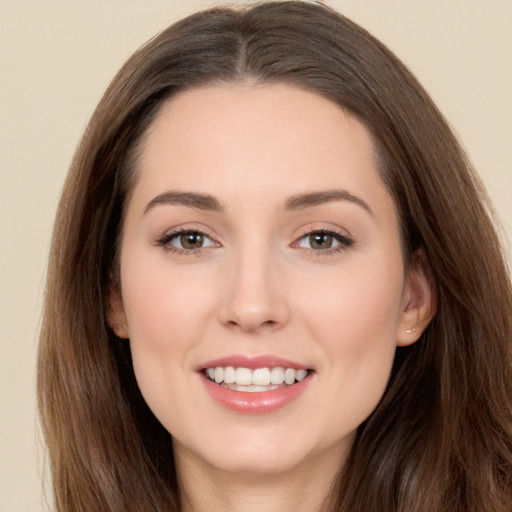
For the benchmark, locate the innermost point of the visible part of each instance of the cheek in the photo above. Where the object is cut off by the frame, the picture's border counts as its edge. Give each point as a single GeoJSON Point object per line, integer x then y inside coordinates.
{"type": "Point", "coordinates": [356, 378]}
{"type": "Point", "coordinates": [357, 308]}
{"type": "Point", "coordinates": [166, 318]}
{"type": "Point", "coordinates": [163, 303]}
{"type": "Point", "coordinates": [355, 325]}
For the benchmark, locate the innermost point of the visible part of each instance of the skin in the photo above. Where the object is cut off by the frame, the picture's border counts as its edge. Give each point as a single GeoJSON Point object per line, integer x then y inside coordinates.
{"type": "Point", "coordinates": [258, 287]}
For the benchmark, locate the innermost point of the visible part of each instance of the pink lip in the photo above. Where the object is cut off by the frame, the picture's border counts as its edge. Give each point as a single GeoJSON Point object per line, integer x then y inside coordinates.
{"type": "Point", "coordinates": [255, 403]}
{"type": "Point", "coordinates": [258, 402]}
{"type": "Point", "coordinates": [253, 362]}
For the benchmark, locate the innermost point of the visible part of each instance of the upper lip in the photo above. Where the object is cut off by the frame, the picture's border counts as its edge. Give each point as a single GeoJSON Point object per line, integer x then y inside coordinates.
{"type": "Point", "coordinates": [253, 362]}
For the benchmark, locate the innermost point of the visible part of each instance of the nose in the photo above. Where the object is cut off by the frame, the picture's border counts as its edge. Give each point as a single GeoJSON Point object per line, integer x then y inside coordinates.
{"type": "Point", "coordinates": [255, 298]}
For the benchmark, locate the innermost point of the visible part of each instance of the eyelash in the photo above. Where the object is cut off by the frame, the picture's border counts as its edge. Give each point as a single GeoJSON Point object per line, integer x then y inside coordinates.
{"type": "Point", "coordinates": [165, 242]}
{"type": "Point", "coordinates": [344, 242]}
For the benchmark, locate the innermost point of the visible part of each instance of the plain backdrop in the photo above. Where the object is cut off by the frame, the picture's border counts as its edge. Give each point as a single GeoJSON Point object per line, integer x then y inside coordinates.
{"type": "Point", "coordinates": [57, 57]}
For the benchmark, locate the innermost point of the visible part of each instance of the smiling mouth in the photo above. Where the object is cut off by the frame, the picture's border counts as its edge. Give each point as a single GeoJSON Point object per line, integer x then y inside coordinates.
{"type": "Point", "coordinates": [257, 380]}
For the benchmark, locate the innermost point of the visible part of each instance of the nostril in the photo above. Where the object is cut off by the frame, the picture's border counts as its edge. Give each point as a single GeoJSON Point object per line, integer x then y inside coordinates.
{"type": "Point", "coordinates": [253, 308]}
{"type": "Point", "coordinates": [252, 326]}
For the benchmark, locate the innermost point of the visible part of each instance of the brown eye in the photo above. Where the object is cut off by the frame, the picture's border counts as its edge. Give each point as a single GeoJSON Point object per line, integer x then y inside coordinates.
{"type": "Point", "coordinates": [191, 240]}
{"type": "Point", "coordinates": [186, 241]}
{"type": "Point", "coordinates": [320, 241]}
{"type": "Point", "coordinates": [324, 241]}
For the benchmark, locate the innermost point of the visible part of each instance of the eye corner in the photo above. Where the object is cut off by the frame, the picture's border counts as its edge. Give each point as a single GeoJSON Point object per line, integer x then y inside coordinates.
{"type": "Point", "coordinates": [323, 241]}
{"type": "Point", "coordinates": [186, 241]}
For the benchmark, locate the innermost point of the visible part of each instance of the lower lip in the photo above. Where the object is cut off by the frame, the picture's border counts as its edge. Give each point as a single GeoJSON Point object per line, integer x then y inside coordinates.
{"type": "Point", "coordinates": [262, 402]}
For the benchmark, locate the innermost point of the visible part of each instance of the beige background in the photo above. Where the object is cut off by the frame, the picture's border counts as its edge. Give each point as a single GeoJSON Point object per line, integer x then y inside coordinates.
{"type": "Point", "coordinates": [56, 58]}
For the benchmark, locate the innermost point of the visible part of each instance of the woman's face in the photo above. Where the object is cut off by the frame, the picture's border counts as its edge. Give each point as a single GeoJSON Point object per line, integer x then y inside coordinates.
{"type": "Point", "coordinates": [260, 244]}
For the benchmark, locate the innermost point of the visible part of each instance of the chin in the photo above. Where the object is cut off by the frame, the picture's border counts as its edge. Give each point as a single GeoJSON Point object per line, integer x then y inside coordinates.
{"type": "Point", "coordinates": [246, 462]}
{"type": "Point", "coordinates": [247, 453]}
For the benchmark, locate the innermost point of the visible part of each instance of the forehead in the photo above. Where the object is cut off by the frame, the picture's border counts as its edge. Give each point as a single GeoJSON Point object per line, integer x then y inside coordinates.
{"type": "Point", "coordinates": [263, 142]}
{"type": "Point", "coordinates": [207, 115]}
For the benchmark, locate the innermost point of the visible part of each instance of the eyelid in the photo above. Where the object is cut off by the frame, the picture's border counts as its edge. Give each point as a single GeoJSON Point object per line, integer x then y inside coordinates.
{"type": "Point", "coordinates": [165, 239]}
{"type": "Point", "coordinates": [344, 238]}
{"type": "Point", "coordinates": [323, 228]}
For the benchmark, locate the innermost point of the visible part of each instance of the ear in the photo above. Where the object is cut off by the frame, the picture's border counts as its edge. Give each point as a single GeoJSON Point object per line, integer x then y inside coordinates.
{"type": "Point", "coordinates": [419, 302]}
{"type": "Point", "coordinates": [114, 310]}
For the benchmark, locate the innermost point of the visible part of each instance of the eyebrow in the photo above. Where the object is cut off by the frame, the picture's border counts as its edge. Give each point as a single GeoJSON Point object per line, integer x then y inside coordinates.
{"type": "Point", "coordinates": [297, 202]}
{"type": "Point", "coordinates": [310, 199]}
{"type": "Point", "coordinates": [191, 199]}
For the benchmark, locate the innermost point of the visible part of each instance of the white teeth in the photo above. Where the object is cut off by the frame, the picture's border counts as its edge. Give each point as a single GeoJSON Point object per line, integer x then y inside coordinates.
{"type": "Point", "coordinates": [289, 376]}
{"type": "Point", "coordinates": [229, 375]}
{"type": "Point", "coordinates": [243, 376]}
{"type": "Point", "coordinates": [300, 374]}
{"type": "Point", "coordinates": [250, 389]}
{"type": "Point", "coordinates": [277, 375]}
{"type": "Point", "coordinates": [219, 374]}
{"type": "Point", "coordinates": [260, 379]}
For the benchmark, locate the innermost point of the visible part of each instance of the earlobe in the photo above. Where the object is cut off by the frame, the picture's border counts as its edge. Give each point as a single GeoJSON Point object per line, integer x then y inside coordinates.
{"type": "Point", "coordinates": [418, 300]}
{"type": "Point", "coordinates": [114, 311]}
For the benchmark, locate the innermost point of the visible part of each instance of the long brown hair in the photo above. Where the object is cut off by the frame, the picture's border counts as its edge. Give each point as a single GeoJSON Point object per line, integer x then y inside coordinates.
{"type": "Point", "coordinates": [441, 438]}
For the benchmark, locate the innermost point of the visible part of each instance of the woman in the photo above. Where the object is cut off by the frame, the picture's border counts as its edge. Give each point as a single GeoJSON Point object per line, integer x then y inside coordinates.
{"type": "Point", "coordinates": [274, 282]}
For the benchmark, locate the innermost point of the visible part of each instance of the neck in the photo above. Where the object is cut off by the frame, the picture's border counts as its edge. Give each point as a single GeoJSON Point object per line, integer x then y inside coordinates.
{"type": "Point", "coordinates": [306, 488]}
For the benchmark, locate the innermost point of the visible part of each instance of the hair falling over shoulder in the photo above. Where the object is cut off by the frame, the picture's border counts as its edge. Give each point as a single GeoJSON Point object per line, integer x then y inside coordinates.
{"type": "Point", "coordinates": [441, 438]}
